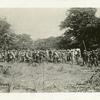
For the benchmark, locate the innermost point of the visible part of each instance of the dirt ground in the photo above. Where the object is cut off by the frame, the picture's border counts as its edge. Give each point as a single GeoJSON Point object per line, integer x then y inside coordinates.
{"type": "Point", "coordinates": [45, 77]}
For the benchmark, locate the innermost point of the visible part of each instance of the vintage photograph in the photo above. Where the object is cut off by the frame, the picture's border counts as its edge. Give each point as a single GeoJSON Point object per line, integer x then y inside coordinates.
{"type": "Point", "coordinates": [47, 50]}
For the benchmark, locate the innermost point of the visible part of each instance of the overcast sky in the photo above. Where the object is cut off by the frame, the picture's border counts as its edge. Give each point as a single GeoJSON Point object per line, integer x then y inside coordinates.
{"type": "Point", "coordinates": [37, 22]}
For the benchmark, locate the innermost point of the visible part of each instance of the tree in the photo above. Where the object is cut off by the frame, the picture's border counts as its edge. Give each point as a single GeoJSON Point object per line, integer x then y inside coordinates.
{"type": "Point", "coordinates": [5, 34]}
{"type": "Point", "coordinates": [51, 42]}
{"type": "Point", "coordinates": [10, 40]}
{"type": "Point", "coordinates": [83, 25]}
{"type": "Point", "coordinates": [23, 41]}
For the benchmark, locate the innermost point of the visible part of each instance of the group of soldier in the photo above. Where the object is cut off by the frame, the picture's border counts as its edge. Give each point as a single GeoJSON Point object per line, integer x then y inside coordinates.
{"type": "Point", "coordinates": [73, 56]}
{"type": "Point", "coordinates": [91, 58]}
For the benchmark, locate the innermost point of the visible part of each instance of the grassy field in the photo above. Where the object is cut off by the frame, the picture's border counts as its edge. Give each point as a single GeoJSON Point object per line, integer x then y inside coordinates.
{"type": "Point", "coordinates": [45, 77]}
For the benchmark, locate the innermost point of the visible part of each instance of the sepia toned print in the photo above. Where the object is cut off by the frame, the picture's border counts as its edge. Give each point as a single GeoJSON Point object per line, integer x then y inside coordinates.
{"type": "Point", "coordinates": [49, 50]}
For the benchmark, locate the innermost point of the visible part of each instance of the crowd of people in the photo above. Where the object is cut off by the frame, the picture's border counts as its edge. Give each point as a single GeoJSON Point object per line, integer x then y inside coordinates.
{"type": "Point", "coordinates": [91, 58]}
{"type": "Point", "coordinates": [72, 56]}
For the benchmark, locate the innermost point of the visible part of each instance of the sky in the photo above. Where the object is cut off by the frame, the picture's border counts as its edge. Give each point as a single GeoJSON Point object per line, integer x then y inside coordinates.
{"type": "Point", "coordinates": [37, 22]}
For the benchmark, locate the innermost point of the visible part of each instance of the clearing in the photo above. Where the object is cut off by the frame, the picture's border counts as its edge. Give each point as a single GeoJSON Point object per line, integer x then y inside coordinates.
{"type": "Point", "coordinates": [45, 77]}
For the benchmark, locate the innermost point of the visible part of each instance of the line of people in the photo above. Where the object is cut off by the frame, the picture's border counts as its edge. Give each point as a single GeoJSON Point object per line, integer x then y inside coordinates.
{"type": "Point", "coordinates": [72, 56]}
{"type": "Point", "coordinates": [38, 56]}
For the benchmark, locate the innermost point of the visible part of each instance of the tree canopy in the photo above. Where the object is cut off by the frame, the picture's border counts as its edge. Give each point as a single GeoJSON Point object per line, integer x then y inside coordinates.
{"type": "Point", "coordinates": [11, 40]}
{"type": "Point", "coordinates": [24, 41]}
{"type": "Point", "coordinates": [51, 42]}
{"type": "Point", "coordinates": [80, 25]}
{"type": "Point", "coordinates": [5, 34]}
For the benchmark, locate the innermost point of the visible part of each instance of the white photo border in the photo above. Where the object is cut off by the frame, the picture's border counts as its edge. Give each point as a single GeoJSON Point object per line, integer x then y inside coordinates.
{"type": "Point", "coordinates": [49, 4]}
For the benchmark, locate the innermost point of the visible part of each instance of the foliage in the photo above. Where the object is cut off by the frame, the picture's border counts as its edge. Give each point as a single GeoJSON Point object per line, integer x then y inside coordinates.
{"type": "Point", "coordinates": [24, 41]}
{"type": "Point", "coordinates": [5, 32]}
{"type": "Point", "coordinates": [81, 24]}
{"type": "Point", "coordinates": [52, 42]}
{"type": "Point", "coordinates": [10, 40]}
